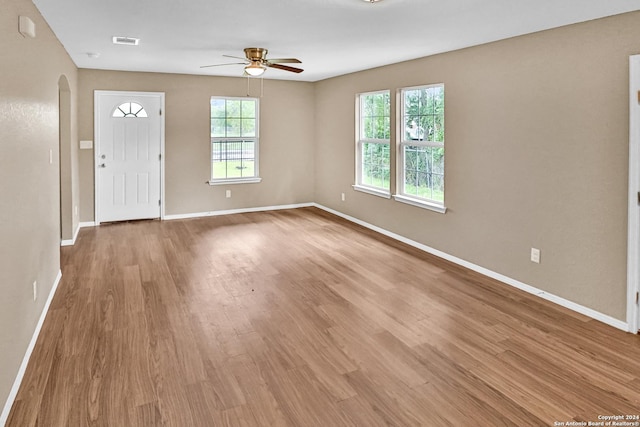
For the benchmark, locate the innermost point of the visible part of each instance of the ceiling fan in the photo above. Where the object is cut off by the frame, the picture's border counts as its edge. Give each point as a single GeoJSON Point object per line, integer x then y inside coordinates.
{"type": "Point", "coordinates": [256, 62]}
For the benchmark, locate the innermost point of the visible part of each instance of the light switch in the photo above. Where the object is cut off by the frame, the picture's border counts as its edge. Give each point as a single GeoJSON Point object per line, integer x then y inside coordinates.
{"type": "Point", "coordinates": [86, 145]}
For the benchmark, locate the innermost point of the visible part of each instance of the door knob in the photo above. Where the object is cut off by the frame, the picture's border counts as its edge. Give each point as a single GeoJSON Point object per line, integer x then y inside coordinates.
{"type": "Point", "coordinates": [102, 165]}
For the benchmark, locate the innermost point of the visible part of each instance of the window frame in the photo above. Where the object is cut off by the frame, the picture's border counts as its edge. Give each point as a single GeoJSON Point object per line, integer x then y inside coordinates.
{"type": "Point", "coordinates": [360, 142]}
{"type": "Point", "coordinates": [239, 139]}
{"type": "Point", "coordinates": [403, 142]}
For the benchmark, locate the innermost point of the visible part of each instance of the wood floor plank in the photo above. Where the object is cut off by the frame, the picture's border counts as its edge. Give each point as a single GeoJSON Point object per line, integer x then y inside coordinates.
{"type": "Point", "coordinates": [259, 398]}
{"type": "Point", "coordinates": [360, 412]}
{"type": "Point", "coordinates": [527, 391]}
{"type": "Point", "coordinates": [569, 361]}
{"type": "Point", "coordinates": [299, 318]}
{"type": "Point", "coordinates": [380, 401]}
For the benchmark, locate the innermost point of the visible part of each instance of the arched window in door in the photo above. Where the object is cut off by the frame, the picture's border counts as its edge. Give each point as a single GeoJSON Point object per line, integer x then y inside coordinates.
{"type": "Point", "coordinates": [130, 109]}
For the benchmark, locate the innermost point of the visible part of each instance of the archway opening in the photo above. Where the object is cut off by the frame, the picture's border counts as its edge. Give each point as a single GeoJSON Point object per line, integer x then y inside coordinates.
{"type": "Point", "coordinates": [66, 199]}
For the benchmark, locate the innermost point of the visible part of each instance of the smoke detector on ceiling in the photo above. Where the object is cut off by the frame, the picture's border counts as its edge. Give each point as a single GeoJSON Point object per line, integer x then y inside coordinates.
{"type": "Point", "coordinates": [130, 41]}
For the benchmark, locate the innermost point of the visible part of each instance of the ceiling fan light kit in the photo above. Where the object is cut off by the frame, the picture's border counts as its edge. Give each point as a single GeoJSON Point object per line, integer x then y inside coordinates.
{"type": "Point", "coordinates": [255, 69]}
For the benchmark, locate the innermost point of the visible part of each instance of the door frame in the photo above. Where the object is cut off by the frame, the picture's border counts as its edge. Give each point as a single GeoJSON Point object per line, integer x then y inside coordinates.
{"type": "Point", "coordinates": [97, 94]}
{"type": "Point", "coordinates": [633, 240]}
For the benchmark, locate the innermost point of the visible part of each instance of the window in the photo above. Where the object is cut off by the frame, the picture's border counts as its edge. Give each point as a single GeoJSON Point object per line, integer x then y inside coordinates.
{"type": "Point", "coordinates": [130, 109]}
{"type": "Point", "coordinates": [421, 159]}
{"type": "Point", "coordinates": [373, 143]}
{"type": "Point", "coordinates": [234, 140]}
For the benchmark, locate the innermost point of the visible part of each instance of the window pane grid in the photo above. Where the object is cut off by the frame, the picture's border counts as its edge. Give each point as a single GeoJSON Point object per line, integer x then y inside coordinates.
{"type": "Point", "coordinates": [375, 116]}
{"type": "Point", "coordinates": [375, 165]}
{"type": "Point", "coordinates": [233, 118]}
{"type": "Point", "coordinates": [232, 158]}
{"type": "Point", "coordinates": [423, 114]}
{"type": "Point", "coordinates": [130, 109]}
{"type": "Point", "coordinates": [424, 172]}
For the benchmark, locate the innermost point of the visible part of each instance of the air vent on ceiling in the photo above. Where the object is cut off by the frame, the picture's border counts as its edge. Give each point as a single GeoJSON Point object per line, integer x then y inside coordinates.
{"type": "Point", "coordinates": [130, 41]}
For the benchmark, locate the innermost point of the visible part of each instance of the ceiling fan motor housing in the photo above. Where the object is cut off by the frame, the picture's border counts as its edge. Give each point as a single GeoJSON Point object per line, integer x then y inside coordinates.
{"type": "Point", "coordinates": [255, 53]}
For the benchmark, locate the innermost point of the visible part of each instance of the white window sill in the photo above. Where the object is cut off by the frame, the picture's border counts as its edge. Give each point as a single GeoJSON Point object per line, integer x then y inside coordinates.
{"type": "Point", "coordinates": [373, 191]}
{"type": "Point", "coordinates": [420, 203]}
{"type": "Point", "coordinates": [234, 181]}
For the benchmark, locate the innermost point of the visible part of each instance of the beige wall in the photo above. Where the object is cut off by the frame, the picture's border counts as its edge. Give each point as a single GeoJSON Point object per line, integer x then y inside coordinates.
{"type": "Point", "coordinates": [29, 186]}
{"type": "Point", "coordinates": [286, 139]}
{"type": "Point", "coordinates": [536, 156]}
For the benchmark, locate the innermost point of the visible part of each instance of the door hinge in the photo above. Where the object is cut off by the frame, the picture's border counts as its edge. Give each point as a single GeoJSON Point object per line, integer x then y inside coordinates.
{"type": "Point", "coordinates": [161, 111]}
{"type": "Point", "coordinates": [637, 295]}
{"type": "Point", "coordinates": [639, 197]}
{"type": "Point", "coordinates": [160, 158]}
{"type": "Point", "coordinates": [159, 203]}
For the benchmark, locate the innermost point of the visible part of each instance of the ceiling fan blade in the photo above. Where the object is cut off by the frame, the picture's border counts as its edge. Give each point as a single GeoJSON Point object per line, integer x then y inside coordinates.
{"type": "Point", "coordinates": [284, 61]}
{"type": "Point", "coordinates": [284, 67]}
{"type": "Point", "coordinates": [220, 65]}
{"type": "Point", "coordinates": [235, 57]}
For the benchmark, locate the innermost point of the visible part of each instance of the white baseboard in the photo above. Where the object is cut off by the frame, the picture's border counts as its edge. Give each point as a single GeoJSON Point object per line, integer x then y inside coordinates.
{"type": "Point", "coordinates": [25, 361]}
{"type": "Point", "coordinates": [71, 242]}
{"type": "Point", "coordinates": [217, 213]}
{"type": "Point", "coordinates": [236, 211]}
{"type": "Point", "coordinates": [589, 312]}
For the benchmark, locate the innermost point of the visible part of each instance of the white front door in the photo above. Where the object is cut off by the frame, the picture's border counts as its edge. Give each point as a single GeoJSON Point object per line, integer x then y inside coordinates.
{"type": "Point", "coordinates": [128, 149]}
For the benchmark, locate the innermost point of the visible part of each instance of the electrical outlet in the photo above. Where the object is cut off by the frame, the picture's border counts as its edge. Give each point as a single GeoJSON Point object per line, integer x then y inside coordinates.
{"type": "Point", "coordinates": [228, 194]}
{"type": "Point", "coordinates": [50, 157]}
{"type": "Point", "coordinates": [535, 255]}
{"type": "Point", "coordinates": [342, 197]}
{"type": "Point", "coordinates": [35, 290]}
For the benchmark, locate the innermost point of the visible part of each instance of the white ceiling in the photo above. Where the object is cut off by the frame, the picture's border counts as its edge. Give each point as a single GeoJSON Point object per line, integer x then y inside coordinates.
{"type": "Point", "coordinates": [330, 37]}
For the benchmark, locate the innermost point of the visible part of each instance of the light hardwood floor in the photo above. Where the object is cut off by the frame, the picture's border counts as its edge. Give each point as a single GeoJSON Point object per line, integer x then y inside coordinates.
{"type": "Point", "coordinates": [298, 318]}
